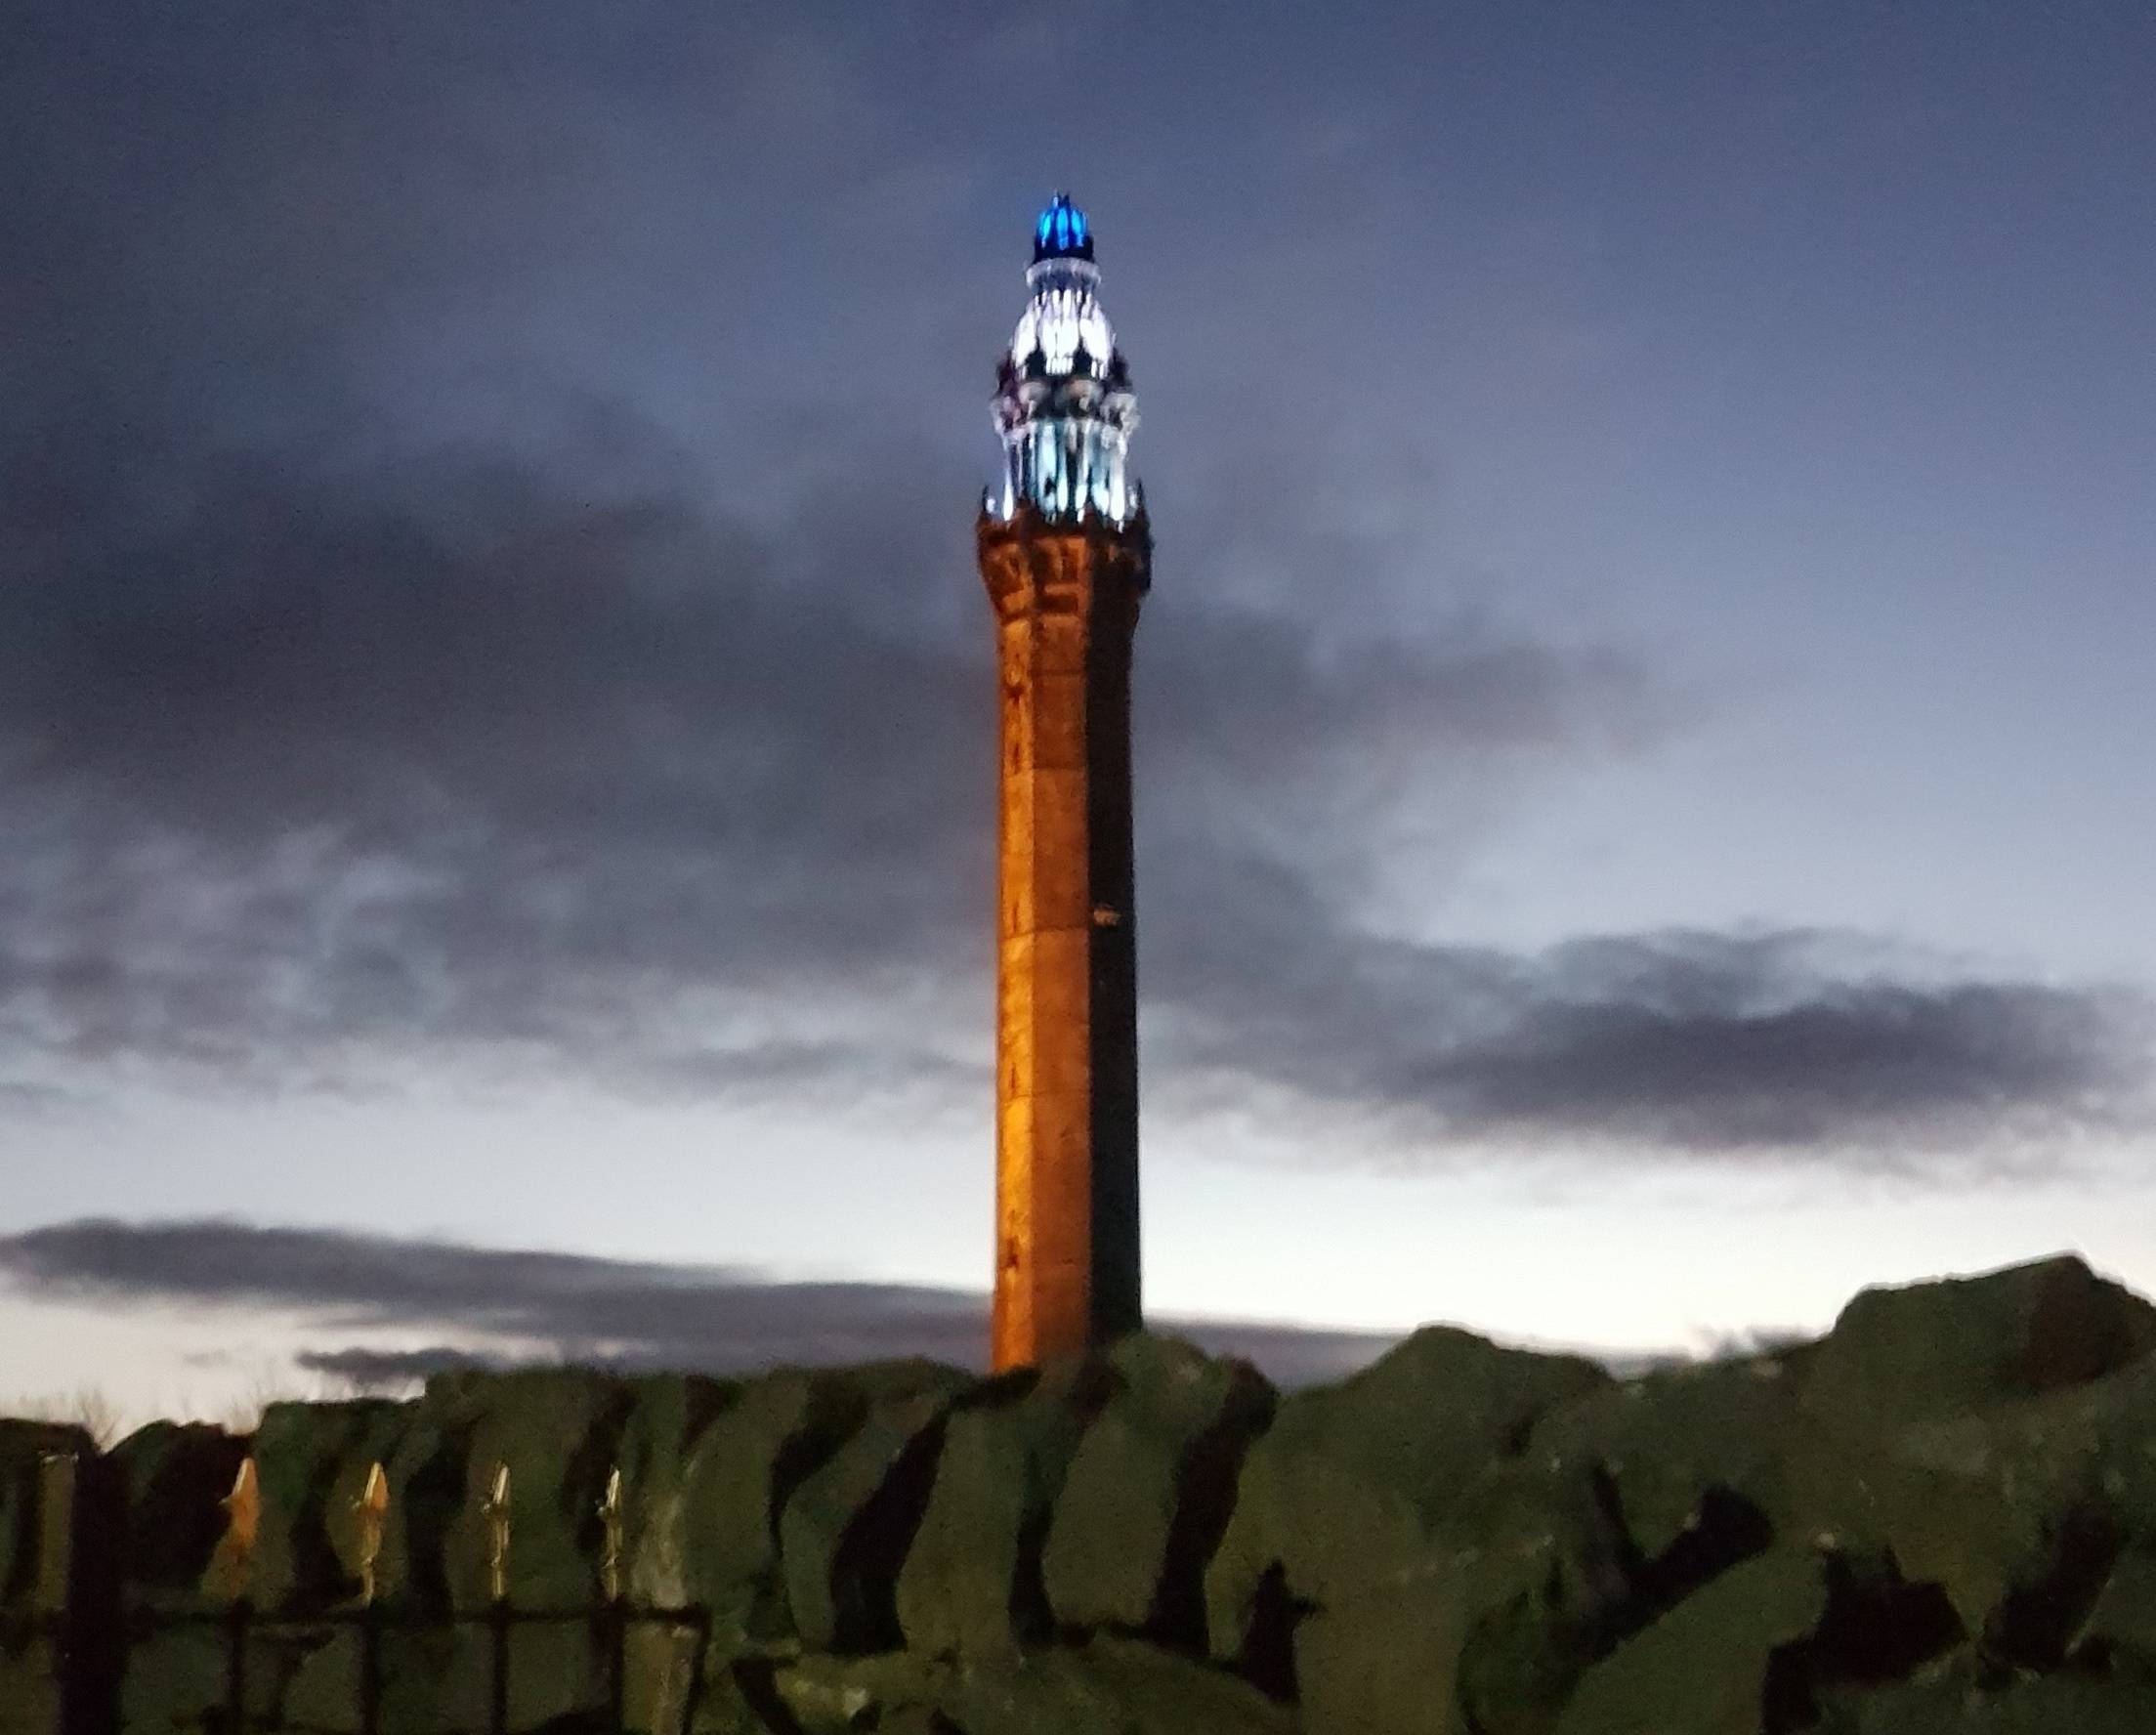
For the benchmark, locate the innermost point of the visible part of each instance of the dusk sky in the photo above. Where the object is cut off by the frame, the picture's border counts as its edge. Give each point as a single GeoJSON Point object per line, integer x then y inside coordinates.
{"type": "Point", "coordinates": [1643, 718]}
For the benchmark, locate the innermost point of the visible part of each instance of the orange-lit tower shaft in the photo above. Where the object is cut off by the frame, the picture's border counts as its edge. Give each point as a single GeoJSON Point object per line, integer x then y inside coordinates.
{"type": "Point", "coordinates": [1066, 554]}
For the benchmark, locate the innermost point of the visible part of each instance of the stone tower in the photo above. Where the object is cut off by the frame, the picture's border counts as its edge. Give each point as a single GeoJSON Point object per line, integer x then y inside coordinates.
{"type": "Point", "coordinates": [1067, 556]}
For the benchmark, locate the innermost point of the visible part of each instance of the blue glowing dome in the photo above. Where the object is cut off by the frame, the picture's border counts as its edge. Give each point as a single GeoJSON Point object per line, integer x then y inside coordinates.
{"type": "Point", "coordinates": [1062, 232]}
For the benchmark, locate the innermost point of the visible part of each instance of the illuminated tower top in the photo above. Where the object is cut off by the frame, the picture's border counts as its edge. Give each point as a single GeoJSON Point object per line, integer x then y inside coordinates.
{"type": "Point", "coordinates": [1063, 399]}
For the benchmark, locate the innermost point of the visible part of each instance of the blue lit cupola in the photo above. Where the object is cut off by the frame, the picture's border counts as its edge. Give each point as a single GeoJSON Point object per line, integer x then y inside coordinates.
{"type": "Point", "coordinates": [1063, 402]}
{"type": "Point", "coordinates": [1062, 232]}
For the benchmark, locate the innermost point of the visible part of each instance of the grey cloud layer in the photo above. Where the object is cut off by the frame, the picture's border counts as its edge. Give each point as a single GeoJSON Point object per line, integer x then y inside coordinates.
{"type": "Point", "coordinates": [507, 1306]}
{"type": "Point", "coordinates": [1700, 1044]}
{"type": "Point", "coordinates": [464, 755]}
{"type": "Point", "coordinates": [329, 742]}
{"type": "Point", "coordinates": [310, 765]}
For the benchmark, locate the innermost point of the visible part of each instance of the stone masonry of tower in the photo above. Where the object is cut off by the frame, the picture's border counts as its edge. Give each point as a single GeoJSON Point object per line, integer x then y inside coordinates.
{"type": "Point", "coordinates": [1067, 1019]}
{"type": "Point", "coordinates": [1066, 555]}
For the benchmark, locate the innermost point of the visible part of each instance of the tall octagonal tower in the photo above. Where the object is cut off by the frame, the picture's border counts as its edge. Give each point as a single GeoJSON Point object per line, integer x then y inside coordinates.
{"type": "Point", "coordinates": [1067, 556]}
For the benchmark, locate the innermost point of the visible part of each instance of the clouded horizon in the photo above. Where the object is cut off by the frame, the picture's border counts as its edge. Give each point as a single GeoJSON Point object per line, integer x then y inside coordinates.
{"type": "Point", "coordinates": [1642, 825]}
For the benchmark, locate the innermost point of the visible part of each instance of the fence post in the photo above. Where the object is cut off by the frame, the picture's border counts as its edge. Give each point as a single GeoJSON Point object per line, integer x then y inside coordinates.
{"type": "Point", "coordinates": [236, 1669]}
{"type": "Point", "coordinates": [56, 1527]}
{"type": "Point", "coordinates": [497, 1687]}
{"type": "Point", "coordinates": [370, 1670]}
{"type": "Point", "coordinates": [613, 1624]}
{"type": "Point", "coordinates": [67, 1547]}
{"type": "Point", "coordinates": [496, 1513]}
{"type": "Point", "coordinates": [613, 1627]}
{"type": "Point", "coordinates": [372, 1510]}
{"type": "Point", "coordinates": [53, 1616]}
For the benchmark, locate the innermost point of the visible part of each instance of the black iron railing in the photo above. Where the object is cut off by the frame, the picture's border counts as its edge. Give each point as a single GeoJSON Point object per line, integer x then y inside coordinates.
{"type": "Point", "coordinates": [80, 1657]}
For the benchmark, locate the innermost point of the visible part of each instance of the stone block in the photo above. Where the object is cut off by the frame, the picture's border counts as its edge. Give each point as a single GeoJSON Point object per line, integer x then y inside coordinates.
{"type": "Point", "coordinates": [1150, 1489]}
{"type": "Point", "coordinates": [1703, 1667]}
{"type": "Point", "coordinates": [1549, 1582]}
{"type": "Point", "coordinates": [174, 1681]}
{"type": "Point", "coordinates": [1386, 1661]}
{"type": "Point", "coordinates": [173, 1481]}
{"type": "Point", "coordinates": [1349, 1483]}
{"type": "Point", "coordinates": [824, 1694]}
{"type": "Point", "coordinates": [846, 1529]}
{"type": "Point", "coordinates": [1108, 1687]}
{"type": "Point", "coordinates": [555, 1434]}
{"type": "Point", "coordinates": [1670, 1442]}
{"type": "Point", "coordinates": [1931, 1350]}
{"type": "Point", "coordinates": [311, 1461]}
{"type": "Point", "coordinates": [30, 1687]}
{"type": "Point", "coordinates": [2121, 1623]}
{"type": "Point", "coordinates": [1953, 1703]}
{"type": "Point", "coordinates": [732, 1494]}
{"type": "Point", "coordinates": [663, 1667]}
{"type": "Point", "coordinates": [667, 1419]}
{"type": "Point", "coordinates": [971, 1581]}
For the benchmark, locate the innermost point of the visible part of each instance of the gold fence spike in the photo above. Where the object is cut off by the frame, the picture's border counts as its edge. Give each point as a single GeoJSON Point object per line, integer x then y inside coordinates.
{"type": "Point", "coordinates": [243, 1512]}
{"type": "Point", "coordinates": [372, 1506]}
{"type": "Point", "coordinates": [610, 1557]}
{"type": "Point", "coordinates": [496, 1513]}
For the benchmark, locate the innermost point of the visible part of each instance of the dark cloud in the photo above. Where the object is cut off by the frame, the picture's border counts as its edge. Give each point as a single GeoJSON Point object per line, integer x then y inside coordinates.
{"type": "Point", "coordinates": [313, 762]}
{"type": "Point", "coordinates": [311, 768]}
{"type": "Point", "coordinates": [1684, 1043]}
{"type": "Point", "coordinates": [352, 716]}
{"type": "Point", "coordinates": [395, 1370]}
{"type": "Point", "coordinates": [510, 1307]}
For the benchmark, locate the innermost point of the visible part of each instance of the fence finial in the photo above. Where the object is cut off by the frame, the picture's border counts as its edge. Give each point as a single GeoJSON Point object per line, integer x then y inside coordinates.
{"type": "Point", "coordinates": [372, 1506]}
{"type": "Point", "coordinates": [243, 1512]}
{"type": "Point", "coordinates": [610, 1556]}
{"type": "Point", "coordinates": [496, 1513]}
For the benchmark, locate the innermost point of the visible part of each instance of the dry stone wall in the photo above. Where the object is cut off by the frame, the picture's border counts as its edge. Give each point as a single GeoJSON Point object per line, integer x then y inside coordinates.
{"type": "Point", "coordinates": [1940, 1517]}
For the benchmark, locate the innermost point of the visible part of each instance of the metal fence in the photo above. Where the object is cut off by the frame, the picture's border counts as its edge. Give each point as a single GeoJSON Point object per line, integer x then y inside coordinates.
{"type": "Point", "coordinates": [73, 1632]}
{"type": "Point", "coordinates": [87, 1658]}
